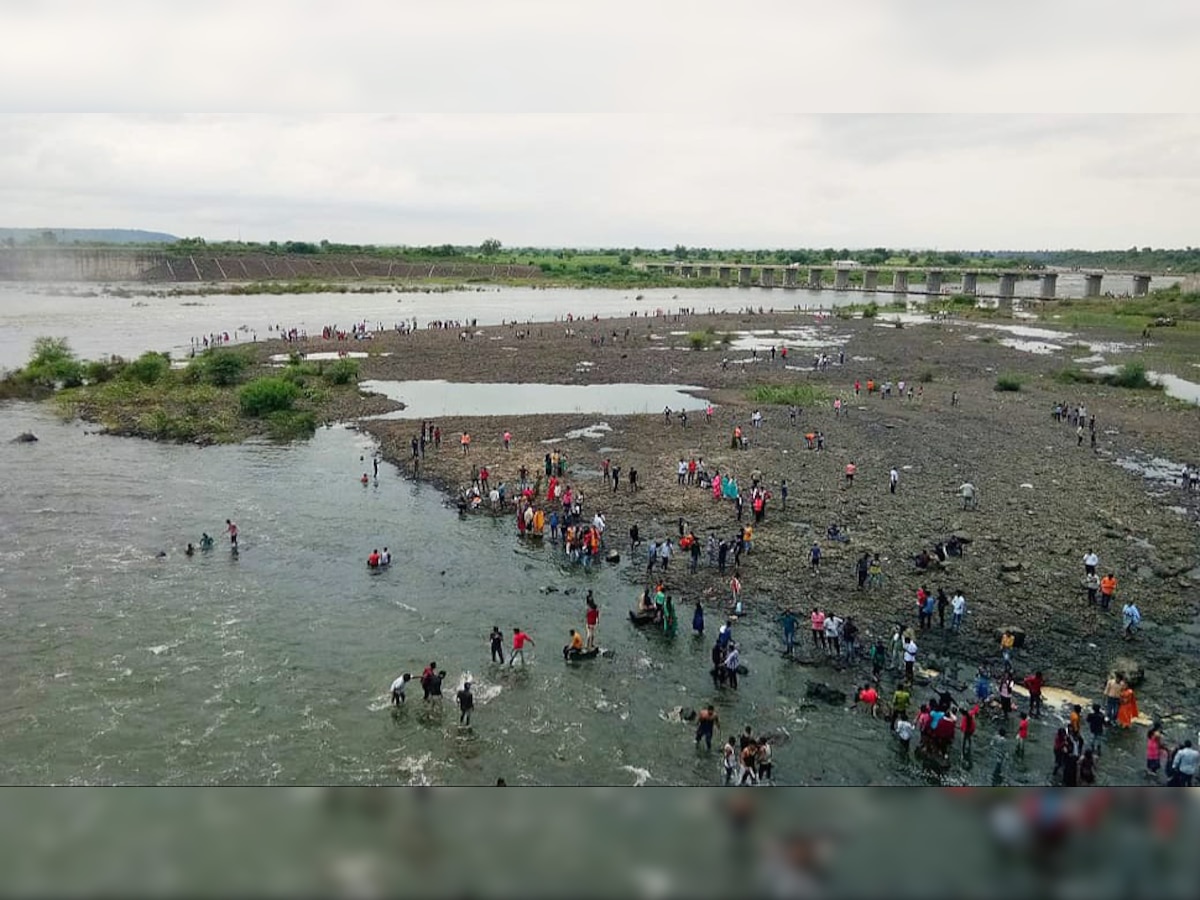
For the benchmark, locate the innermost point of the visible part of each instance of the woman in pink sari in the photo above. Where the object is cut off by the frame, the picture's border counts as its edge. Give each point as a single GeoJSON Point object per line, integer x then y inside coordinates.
{"type": "Point", "coordinates": [716, 486]}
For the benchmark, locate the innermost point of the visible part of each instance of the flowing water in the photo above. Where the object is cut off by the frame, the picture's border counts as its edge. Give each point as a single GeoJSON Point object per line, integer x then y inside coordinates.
{"type": "Point", "coordinates": [274, 666]}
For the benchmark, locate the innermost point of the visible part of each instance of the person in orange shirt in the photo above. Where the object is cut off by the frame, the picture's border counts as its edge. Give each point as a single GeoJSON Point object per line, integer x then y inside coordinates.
{"type": "Point", "coordinates": [850, 470]}
{"type": "Point", "coordinates": [465, 441]}
{"type": "Point", "coordinates": [1108, 587]}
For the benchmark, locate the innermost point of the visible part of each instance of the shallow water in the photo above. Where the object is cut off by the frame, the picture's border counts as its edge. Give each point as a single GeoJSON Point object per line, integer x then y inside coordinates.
{"type": "Point", "coordinates": [1172, 385]}
{"type": "Point", "coordinates": [434, 399]}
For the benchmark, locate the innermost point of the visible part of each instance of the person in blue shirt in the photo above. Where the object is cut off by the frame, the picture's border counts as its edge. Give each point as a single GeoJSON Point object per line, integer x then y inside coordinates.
{"type": "Point", "coordinates": [789, 631]}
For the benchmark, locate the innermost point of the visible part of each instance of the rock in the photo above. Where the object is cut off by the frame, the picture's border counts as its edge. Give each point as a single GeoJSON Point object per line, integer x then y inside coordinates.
{"type": "Point", "coordinates": [1010, 578]}
{"type": "Point", "coordinates": [25, 437]}
{"type": "Point", "coordinates": [613, 556]}
{"type": "Point", "coordinates": [686, 714]}
{"type": "Point", "coordinates": [817, 690]}
{"type": "Point", "coordinates": [549, 589]}
{"type": "Point", "coordinates": [1011, 565]}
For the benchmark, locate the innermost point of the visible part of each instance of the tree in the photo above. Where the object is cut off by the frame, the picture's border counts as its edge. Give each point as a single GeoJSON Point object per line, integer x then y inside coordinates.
{"type": "Point", "coordinates": [490, 247]}
{"type": "Point", "coordinates": [680, 252]}
{"type": "Point", "coordinates": [625, 259]}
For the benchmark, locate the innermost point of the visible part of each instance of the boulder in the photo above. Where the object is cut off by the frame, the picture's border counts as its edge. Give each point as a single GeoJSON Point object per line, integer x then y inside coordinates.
{"type": "Point", "coordinates": [1011, 565]}
{"type": "Point", "coordinates": [25, 437]}
{"type": "Point", "coordinates": [817, 690]}
{"type": "Point", "coordinates": [613, 556]}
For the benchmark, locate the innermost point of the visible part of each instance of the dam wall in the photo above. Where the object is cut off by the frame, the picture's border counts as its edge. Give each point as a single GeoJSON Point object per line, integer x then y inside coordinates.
{"type": "Point", "coordinates": [105, 265]}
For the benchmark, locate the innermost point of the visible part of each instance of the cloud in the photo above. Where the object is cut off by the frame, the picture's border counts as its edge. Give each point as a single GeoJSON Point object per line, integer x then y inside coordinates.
{"type": "Point", "coordinates": [767, 122]}
{"type": "Point", "coordinates": [653, 180]}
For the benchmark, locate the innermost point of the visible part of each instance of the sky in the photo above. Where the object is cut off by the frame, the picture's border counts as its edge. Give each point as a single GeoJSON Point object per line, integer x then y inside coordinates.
{"type": "Point", "coordinates": [765, 123]}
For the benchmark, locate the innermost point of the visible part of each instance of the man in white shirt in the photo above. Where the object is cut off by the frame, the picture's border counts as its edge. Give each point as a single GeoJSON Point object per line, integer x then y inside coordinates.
{"type": "Point", "coordinates": [958, 606]}
{"type": "Point", "coordinates": [893, 480]}
{"type": "Point", "coordinates": [967, 490]}
{"type": "Point", "coordinates": [910, 658]}
{"type": "Point", "coordinates": [1187, 761]}
{"type": "Point", "coordinates": [904, 731]}
{"type": "Point", "coordinates": [385, 558]}
{"type": "Point", "coordinates": [599, 524]}
{"type": "Point", "coordinates": [398, 687]}
{"type": "Point", "coordinates": [1090, 562]}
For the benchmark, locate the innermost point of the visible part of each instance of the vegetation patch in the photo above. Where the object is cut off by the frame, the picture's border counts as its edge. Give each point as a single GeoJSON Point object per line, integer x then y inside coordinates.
{"type": "Point", "coordinates": [1008, 382]}
{"type": "Point", "coordinates": [264, 396]}
{"type": "Point", "coordinates": [802, 395]}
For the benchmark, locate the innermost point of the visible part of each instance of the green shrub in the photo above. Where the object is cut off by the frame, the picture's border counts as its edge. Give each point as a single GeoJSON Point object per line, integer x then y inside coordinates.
{"type": "Point", "coordinates": [264, 396]}
{"type": "Point", "coordinates": [1074, 375]}
{"type": "Point", "coordinates": [98, 372]}
{"type": "Point", "coordinates": [926, 377]}
{"type": "Point", "coordinates": [1131, 375]}
{"type": "Point", "coordinates": [1008, 383]}
{"type": "Point", "coordinates": [871, 310]}
{"type": "Point", "coordinates": [224, 367]}
{"type": "Point", "coordinates": [342, 371]}
{"type": "Point", "coordinates": [52, 363]}
{"type": "Point", "coordinates": [699, 340]}
{"type": "Point", "coordinates": [149, 368]}
{"type": "Point", "coordinates": [802, 395]}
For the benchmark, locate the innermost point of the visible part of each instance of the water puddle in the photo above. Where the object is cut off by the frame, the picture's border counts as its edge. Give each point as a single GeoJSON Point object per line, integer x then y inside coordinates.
{"type": "Point", "coordinates": [812, 337]}
{"type": "Point", "coordinates": [1039, 348]}
{"type": "Point", "coordinates": [1152, 468]}
{"type": "Point", "coordinates": [1173, 385]}
{"type": "Point", "coordinates": [325, 355]}
{"type": "Point", "coordinates": [432, 399]}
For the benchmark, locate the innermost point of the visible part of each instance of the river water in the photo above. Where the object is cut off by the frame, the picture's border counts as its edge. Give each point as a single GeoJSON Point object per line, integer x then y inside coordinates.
{"type": "Point", "coordinates": [273, 667]}
{"type": "Point", "coordinates": [101, 325]}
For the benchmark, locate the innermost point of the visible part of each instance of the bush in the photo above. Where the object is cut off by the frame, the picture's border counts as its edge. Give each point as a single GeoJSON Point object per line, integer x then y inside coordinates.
{"type": "Point", "coordinates": [98, 372]}
{"type": "Point", "coordinates": [1131, 375]}
{"type": "Point", "coordinates": [149, 368]}
{"type": "Point", "coordinates": [925, 377]}
{"type": "Point", "coordinates": [870, 311]}
{"type": "Point", "coordinates": [264, 396]}
{"type": "Point", "coordinates": [224, 368]}
{"type": "Point", "coordinates": [699, 340]}
{"type": "Point", "coordinates": [1073, 375]}
{"type": "Point", "coordinates": [802, 395]}
{"type": "Point", "coordinates": [342, 371]}
{"type": "Point", "coordinates": [52, 363]}
{"type": "Point", "coordinates": [1008, 383]}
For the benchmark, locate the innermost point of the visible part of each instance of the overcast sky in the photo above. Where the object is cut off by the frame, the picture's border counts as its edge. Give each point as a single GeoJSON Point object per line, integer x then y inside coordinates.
{"type": "Point", "coordinates": [758, 123]}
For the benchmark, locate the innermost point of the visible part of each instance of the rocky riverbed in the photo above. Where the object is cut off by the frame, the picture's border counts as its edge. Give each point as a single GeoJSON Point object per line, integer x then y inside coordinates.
{"type": "Point", "coordinates": [1043, 500]}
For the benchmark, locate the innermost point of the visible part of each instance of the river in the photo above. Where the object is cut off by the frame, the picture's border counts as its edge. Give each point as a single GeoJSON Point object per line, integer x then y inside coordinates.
{"type": "Point", "coordinates": [104, 324]}
{"type": "Point", "coordinates": [273, 667]}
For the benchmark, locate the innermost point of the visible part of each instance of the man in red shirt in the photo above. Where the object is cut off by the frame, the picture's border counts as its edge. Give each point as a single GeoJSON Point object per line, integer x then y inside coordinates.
{"type": "Point", "coordinates": [1033, 684]}
{"type": "Point", "coordinates": [520, 639]}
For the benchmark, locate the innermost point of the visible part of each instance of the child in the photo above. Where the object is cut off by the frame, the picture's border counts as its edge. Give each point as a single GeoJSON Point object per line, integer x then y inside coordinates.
{"type": "Point", "coordinates": [1022, 734]}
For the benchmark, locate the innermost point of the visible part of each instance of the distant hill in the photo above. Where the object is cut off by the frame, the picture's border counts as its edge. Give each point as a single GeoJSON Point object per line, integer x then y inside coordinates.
{"type": "Point", "coordinates": [41, 236]}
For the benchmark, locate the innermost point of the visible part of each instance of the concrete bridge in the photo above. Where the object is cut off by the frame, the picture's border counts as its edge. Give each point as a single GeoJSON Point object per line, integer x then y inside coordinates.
{"type": "Point", "coordinates": [814, 278]}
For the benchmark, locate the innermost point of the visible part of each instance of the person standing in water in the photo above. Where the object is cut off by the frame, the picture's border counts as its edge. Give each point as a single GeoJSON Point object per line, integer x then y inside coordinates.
{"type": "Point", "coordinates": [466, 703]}
{"type": "Point", "coordinates": [698, 620]}
{"type": "Point", "coordinates": [706, 722]}
{"type": "Point", "coordinates": [231, 530]}
{"type": "Point", "coordinates": [519, 640]}
{"type": "Point", "coordinates": [398, 688]}
{"type": "Point", "coordinates": [497, 641]}
{"type": "Point", "coordinates": [592, 619]}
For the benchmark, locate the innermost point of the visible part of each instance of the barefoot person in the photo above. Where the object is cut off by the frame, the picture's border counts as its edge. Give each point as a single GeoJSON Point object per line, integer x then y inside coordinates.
{"type": "Point", "coordinates": [519, 640]}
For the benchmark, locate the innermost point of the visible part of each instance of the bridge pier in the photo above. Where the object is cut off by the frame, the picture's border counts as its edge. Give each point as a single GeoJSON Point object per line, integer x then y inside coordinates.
{"type": "Point", "coordinates": [791, 277]}
{"type": "Point", "coordinates": [767, 278]}
{"type": "Point", "coordinates": [725, 272]}
{"type": "Point", "coordinates": [933, 281]}
{"type": "Point", "coordinates": [1005, 304]}
{"type": "Point", "coordinates": [1141, 285]}
{"type": "Point", "coordinates": [970, 283]}
{"type": "Point", "coordinates": [870, 279]}
{"type": "Point", "coordinates": [1092, 285]}
{"type": "Point", "coordinates": [744, 279]}
{"type": "Point", "coordinates": [900, 282]}
{"type": "Point", "coordinates": [1049, 285]}
{"type": "Point", "coordinates": [814, 277]}
{"type": "Point", "coordinates": [1008, 286]}
{"type": "Point", "coordinates": [841, 279]}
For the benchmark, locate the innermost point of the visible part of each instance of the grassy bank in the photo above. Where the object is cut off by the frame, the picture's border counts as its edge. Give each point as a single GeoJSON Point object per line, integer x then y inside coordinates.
{"type": "Point", "coordinates": [221, 396]}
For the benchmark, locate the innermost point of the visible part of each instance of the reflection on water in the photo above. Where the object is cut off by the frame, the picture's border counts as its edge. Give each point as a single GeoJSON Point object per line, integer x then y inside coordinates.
{"type": "Point", "coordinates": [431, 399]}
